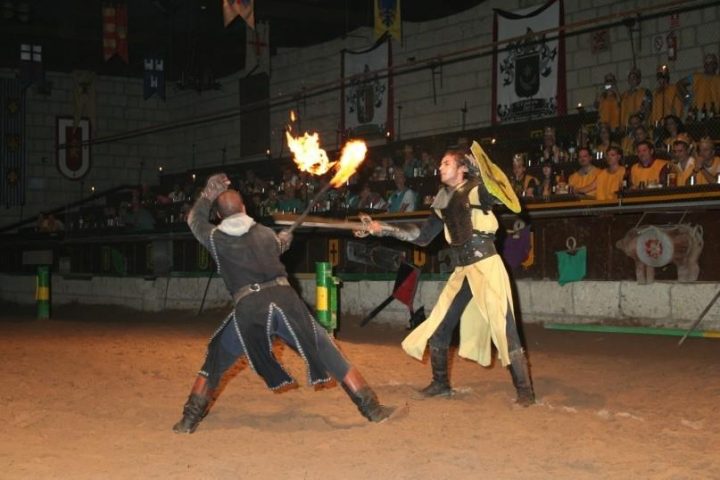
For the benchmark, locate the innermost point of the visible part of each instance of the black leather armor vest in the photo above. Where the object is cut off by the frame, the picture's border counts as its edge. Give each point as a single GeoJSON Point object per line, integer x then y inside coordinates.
{"type": "Point", "coordinates": [457, 216]}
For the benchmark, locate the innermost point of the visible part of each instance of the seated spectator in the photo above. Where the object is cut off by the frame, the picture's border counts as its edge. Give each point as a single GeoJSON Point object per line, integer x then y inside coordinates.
{"type": "Point", "coordinates": [648, 171]}
{"type": "Point", "coordinates": [604, 139]}
{"type": "Point", "coordinates": [583, 180]}
{"type": "Point", "coordinates": [53, 224]}
{"type": "Point", "coordinates": [139, 218]}
{"type": "Point", "coordinates": [522, 183]}
{"type": "Point", "coordinates": [410, 163]}
{"type": "Point", "coordinates": [547, 183]}
{"type": "Point", "coordinates": [609, 180]}
{"type": "Point", "coordinates": [366, 199]}
{"type": "Point", "coordinates": [683, 163]}
{"type": "Point", "coordinates": [707, 168]}
{"type": "Point", "coordinates": [428, 164]}
{"type": "Point", "coordinates": [289, 203]}
{"type": "Point", "coordinates": [550, 149]}
{"type": "Point", "coordinates": [628, 141]}
{"type": "Point", "coordinates": [672, 127]}
{"type": "Point", "coordinates": [41, 223]}
{"type": "Point", "coordinates": [403, 199]}
{"type": "Point", "coordinates": [270, 203]}
{"type": "Point", "coordinates": [176, 195]}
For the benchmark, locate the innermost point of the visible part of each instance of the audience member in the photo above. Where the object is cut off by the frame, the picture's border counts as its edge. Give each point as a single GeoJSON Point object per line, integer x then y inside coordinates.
{"type": "Point", "coordinates": [403, 199]}
{"type": "Point", "coordinates": [635, 101]}
{"type": "Point", "coordinates": [683, 163]}
{"type": "Point", "coordinates": [648, 171]}
{"type": "Point", "coordinates": [583, 180]}
{"type": "Point", "coordinates": [410, 163]}
{"type": "Point", "coordinates": [608, 102]}
{"type": "Point", "coordinates": [547, 182]}
{"type": "Point", "coordinates": [707, 168]}
{"type": "Point", "coordinates": [523, 183]}
{"type": "Point", "coordinates": [609, 180]}
{"type": "Point", "coordinates": [666, 98]}
{"type": "Point", "coordinates": [628, 141]}
{"type": "Point", "coordinates": [176, 195]}
{"type": "Point", "coordinates": [702, 89]}
{"type": "Point", "coordinates": [550, 149]}
{"type": "Point", "coordinates": [366, 199]}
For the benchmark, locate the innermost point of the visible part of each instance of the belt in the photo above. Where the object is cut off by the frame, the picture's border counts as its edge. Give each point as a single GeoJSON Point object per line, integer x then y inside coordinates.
{"type": "Point", "coordinates": [480, 246]}
{"type": "Point", "coordinates": [256, 287]}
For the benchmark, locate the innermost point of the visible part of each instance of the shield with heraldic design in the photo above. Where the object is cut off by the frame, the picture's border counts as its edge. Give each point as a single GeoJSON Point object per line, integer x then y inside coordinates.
{"type": "Point", "coordinates": [527, 74]}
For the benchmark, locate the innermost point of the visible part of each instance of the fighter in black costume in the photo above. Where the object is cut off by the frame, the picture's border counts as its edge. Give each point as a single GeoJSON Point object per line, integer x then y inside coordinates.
{"type": "Point", "coordinates": [248, 259]}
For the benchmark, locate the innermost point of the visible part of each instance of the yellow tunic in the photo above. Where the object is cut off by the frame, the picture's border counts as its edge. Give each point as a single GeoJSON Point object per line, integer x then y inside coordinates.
{"type": "Point", "coordinates": [580, 180]}
{"type": "Point", "coordinates": [666, 102]}
{"type": "Point", "coordinates": [706, 90]}
{"type": "Point", "coordinates": [483, 321]}
{"type": "Point", "coordinates": [608, 184]}
{"type": "Point", "coordinates": [649, 174]}
{"type": "Point", "coordinates": [684, 174]}
{"type": "Point", "coordinates": [631, 102]}
{"type": "Point", "coordinates": [609, 109]}
{"type": "Point", "coordinates": [708, 175]}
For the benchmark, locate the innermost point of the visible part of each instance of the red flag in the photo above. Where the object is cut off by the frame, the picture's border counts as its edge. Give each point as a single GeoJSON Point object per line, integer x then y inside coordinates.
{"type": "Point", "coordinates": [406, 283]}
{"type": "Point", "coordinates": [115, 31]}
{"type": "Point", "coordinates": [242, 8]}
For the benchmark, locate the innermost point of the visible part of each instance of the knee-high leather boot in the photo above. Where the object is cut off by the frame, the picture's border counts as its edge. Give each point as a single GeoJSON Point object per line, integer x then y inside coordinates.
{"type": "Point", "coordinates": [520, 372]}
{"type": "Point", "coordinates": [197, 406]}
{"type": "Point", "coordinates": [364, 397]}
{"type": "Point", "coordinates": [440, 385]}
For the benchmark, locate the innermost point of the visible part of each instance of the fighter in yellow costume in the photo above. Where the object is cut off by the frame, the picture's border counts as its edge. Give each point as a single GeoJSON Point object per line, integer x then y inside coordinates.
{"type": "Point", "coordinates": [477, 294]}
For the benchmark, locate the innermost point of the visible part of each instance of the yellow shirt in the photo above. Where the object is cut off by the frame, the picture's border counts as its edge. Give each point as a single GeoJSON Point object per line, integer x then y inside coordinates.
{"type": "Point", "coordinates": [608, 184]}
{"type": "Point", "coordinates": [609, 110]}
{"type": "Point", "coordinates": [630, 103]}
{"type": "Point", "coordinates": [708, 175]}
{"type": "Point", "coordinates": [580, 180]}
{"type": "Point", "coordinates": [666, 102]}
{"type": "Point", "coordinates": [684, 174]}
{"type": "Point", "coordinates": [649, 174]}
{"type": "Point", "coordinates": [706, 90]}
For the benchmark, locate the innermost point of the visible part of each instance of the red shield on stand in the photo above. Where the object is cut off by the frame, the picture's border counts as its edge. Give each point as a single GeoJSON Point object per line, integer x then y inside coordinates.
{"type": "Point", "coordinates": [73, 147]}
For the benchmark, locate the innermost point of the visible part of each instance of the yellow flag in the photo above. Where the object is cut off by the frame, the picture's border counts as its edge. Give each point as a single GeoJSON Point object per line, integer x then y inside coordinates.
{"type": "Point", "coordinates": [387, 18]}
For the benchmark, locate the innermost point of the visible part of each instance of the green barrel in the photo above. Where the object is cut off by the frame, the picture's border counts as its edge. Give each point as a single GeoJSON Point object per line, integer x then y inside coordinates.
{"type": "Point", "coordinates": [323, 286]}
{"type": "Point", "coordinates": [333, 287]}
{"type": "Point", "coordinates": [42, 292]}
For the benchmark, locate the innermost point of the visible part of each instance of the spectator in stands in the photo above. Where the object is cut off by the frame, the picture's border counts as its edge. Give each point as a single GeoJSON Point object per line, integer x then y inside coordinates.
{"type": "Point", "coordinates": [550, 149]}
{"type": "Point", "coordinates": [41, 223]}
{"type": "Point", "coordinates": [604, 139]}
{"type": "Point", "coordinates": [640, 134]}
{"type": "Point", "coordinates": [403, 199]}
{"type": "Point", "coordinates": [522, 183]}
{"type": "Point", "coordinates": [672, 127]}
{"type": "Point", "coordinates": [628, 141]}
{"type": "Point", "coordinates": [707, 168]}
{"type": "Point", "coordinates": [547, 182]}
{"type": "Point", "coordinates": [428, 164]}
{"type": "Point", "coordinates": [270, 202]}
{"type": "Point", "coordinates": [386, 169]}
{"type": "Point", "coordinates": [289, 203]}
{"type": "Point", "coordinates": [666, 98]}
{"type": "Point", "coordinates": [609, 180]}
{"type": "Point", "coordinates": [608, 102]}
{"type": "Point", "coordinates": [366, 199]}
{"type": "Point", "coordinates": [583, 180]}
{"type": "Point", "coordinates": [139, 218]}
{"type": "Point", "coordinates": [702, 89]}
{"type": "Point", "coordinates": [410, 164]}
{"type": "Point", "coordinates": [635, 101]}
{"type": "Point", "coordinates": [648, 171]}
{"type": "Point", "coordinates": [683, 163]}
{"type": "Point", "coordinates": [290, 179]}
{"type": "Point", "coordinates": [53, 224]}
{"type": "Point", "coordinates": [176, 195]}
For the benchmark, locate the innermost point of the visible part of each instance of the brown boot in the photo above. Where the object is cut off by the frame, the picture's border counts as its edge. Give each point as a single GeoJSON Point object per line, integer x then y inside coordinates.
{"type": "Point", "coordinates": [440, 385]}
{"type": "Point", "coordinates": [364, 397]}
{"type": "Point", "coordinates": [197, 406]}
{"type": "Point", "coordinates": [520, 373]}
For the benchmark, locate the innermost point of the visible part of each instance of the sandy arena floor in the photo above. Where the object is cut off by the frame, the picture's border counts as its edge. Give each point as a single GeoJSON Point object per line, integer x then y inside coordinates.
{"type": "Point", "coordinates": [93, 393]}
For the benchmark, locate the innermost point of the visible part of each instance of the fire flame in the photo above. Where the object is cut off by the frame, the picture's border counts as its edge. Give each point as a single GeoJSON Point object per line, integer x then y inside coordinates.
{"type": "Point", "coordinates": [307, 153]}
{"type": "Point", "coordinates": [309, 157]}
{"type": "Point", "coordinates": [352, 156]}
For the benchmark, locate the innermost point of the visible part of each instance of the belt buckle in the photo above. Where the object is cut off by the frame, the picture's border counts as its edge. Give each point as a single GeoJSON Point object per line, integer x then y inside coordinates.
{"type": "Point", "coordinates": [255, 287]}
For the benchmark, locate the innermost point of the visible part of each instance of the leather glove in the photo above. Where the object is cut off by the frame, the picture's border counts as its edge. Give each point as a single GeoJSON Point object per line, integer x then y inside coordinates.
{"type": "Point", "coordinates": [215, 185]}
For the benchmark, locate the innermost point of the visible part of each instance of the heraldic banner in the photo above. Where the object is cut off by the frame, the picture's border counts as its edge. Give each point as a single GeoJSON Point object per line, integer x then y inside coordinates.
{"type": "Point", "coordinates": [12, 142]}
{"type": "Point", "coordinates": [366, 94]}
{"type": "Point", "coordinates": [529, 65]}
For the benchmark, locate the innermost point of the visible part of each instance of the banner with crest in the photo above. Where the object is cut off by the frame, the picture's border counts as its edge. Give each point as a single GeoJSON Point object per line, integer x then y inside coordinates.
{"type": "Point", "coordinates": [366, 95]}
{"type": "Point", "coordinates": [529, 64]}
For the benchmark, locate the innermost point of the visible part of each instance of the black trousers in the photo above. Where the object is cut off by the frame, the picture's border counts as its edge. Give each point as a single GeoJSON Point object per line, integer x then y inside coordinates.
{"type": "Point", "coordinates": [443, 335]}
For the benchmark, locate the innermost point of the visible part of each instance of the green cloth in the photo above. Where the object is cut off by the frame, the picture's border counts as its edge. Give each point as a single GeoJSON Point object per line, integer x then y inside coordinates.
{"type": "Point", "coordinates": [572, 265]}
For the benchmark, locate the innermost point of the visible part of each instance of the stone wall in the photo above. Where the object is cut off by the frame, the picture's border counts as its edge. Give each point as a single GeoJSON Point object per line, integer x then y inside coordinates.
{"type": "Point", "coordinates": [661, 304]}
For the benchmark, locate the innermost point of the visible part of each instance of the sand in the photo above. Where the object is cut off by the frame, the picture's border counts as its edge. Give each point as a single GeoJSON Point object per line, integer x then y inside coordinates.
{"type": "Point", "coordinates": [93, 393]}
